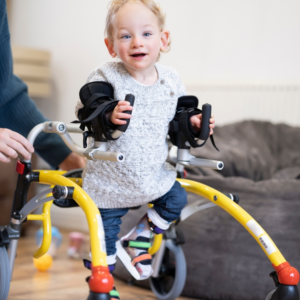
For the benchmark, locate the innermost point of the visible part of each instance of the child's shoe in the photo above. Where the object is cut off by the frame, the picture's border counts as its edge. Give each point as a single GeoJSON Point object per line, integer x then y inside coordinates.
{"type": "Point", "coordinates": [132, 249]}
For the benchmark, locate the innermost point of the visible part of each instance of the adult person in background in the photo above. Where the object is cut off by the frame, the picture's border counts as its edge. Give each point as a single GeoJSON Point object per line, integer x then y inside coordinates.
{"type": "Point", "coordinates": [19, 114]}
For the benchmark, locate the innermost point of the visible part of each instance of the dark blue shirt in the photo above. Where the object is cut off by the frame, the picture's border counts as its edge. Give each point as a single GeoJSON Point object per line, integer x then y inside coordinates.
{"type": "Point", "coordinates": [17, 111]}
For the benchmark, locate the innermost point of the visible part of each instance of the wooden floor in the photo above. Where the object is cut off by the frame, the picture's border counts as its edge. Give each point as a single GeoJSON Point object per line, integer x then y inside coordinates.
{"type": "Point", "coordinates": [64, 280]}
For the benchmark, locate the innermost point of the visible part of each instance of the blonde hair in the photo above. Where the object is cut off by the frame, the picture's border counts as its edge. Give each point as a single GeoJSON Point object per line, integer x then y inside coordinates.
{"type": "Point", "coordinates": [115, 5]}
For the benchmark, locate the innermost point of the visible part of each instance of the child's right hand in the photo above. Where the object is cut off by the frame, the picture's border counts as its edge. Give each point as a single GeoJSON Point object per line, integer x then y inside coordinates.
{"type": "Point", "coordinates": [118, 113]}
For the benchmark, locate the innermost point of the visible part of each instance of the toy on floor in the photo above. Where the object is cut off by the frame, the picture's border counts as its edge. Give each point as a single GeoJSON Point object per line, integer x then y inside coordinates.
{"type": "Point", "coordinates": [76, 243]}
{"type": "Point", "coordinates": [43, 263]}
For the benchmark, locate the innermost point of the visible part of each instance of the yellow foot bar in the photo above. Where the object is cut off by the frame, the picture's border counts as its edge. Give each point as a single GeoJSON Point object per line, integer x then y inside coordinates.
{"type": "Point", "coordinates": [35, 218]}
{"type": "Point", "coordinates": [240, 215]}
{"type": "Point", "coordinates": [91, 212]}
{"type": "Point", "coordinates": [47, 234]}
{"type": "Point", "coordinates": [156, 244]}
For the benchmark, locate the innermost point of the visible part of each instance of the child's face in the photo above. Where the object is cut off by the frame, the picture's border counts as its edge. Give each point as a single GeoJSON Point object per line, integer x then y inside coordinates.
{"type": "Point", "coordinates": [137, 38]}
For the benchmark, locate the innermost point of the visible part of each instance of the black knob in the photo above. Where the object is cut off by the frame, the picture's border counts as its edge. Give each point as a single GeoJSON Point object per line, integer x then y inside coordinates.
{"type": "Point", "coordinates": [59, 192]}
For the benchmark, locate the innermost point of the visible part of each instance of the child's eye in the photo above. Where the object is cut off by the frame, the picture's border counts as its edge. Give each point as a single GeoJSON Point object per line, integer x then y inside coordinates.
{"type": "Point", "coordinates": [126, 36]}
{"type": "Point", "coordinates": [147, 34]}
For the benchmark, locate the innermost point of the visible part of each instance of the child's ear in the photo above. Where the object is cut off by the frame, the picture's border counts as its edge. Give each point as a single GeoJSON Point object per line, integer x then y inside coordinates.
{"type": "Point", "coordinates": [110, 47]}
{"type": "Point", "coordinates": [165, 37]}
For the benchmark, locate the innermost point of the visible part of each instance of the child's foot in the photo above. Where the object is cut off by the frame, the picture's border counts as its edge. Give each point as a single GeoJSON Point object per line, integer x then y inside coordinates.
{"type": "Point", "coordinates": [133, 250]}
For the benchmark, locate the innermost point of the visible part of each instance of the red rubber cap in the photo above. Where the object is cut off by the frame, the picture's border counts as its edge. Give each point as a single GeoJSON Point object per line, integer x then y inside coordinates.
{"type": "Point", "coordinates": [101, 280]}
{"type": "Point", "coordinates": [286, 274]}
{"type": "Point", "coordinates": [20, 167]}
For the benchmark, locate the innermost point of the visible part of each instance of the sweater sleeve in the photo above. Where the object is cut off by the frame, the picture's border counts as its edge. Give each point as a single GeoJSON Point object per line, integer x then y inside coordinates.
{"type": "Point", "coordinates": [17, 111]}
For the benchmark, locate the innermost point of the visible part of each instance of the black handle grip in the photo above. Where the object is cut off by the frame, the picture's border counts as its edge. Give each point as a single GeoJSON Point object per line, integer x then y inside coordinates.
{"type": "Point", "coordinates": [130, 99]}
{"type": "Point", "coordinates": [206, 115]}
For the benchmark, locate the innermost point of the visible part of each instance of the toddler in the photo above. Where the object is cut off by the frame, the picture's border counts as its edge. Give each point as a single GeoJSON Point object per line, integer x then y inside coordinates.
{"type": "Point", "coordinates": [135, 33]}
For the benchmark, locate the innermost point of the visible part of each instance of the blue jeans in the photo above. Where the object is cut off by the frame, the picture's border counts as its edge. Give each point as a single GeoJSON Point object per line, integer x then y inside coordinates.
{"type": "Point", "coordinates": [168, 206]}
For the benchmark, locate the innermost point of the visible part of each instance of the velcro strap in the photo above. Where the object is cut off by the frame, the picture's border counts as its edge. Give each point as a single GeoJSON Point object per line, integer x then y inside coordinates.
{"type": "Point", "coordinates": [100, 114]}
{"type": "Point", "coordinates": [114, 294]}
{"type": "Point", "coordinates": [98, 111]}
{"type": "Point", "coordinates": [185, 126]}
{"type": "Point", "coordinates": [141, 258]}
{"type": "Point", "coordinates": [213, 142]}
{"type": "Point", "coordinates": [87, 105]}
{"type": "Point", "coordinates": [91, 100]}
{"type": "Point", "coordinates": [188, 131]}
{"type": "Point", "coordinates": [136, 244]}
{"type": "Point", "coordinates": [174, 126]}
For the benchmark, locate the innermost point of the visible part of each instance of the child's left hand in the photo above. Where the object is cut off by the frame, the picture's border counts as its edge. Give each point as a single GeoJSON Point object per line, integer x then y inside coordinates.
{"type": "Point", "coordinates": [196, 123]}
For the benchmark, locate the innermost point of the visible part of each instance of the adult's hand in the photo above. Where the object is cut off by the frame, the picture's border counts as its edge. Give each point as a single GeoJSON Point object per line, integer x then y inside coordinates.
{"type": "Point", "coordinates": [73, 161]}
{"type": "Point", "coordinates": [12, 143]}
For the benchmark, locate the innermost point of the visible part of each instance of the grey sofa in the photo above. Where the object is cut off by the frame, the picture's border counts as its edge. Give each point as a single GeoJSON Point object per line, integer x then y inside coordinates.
{"type": "Point", "coordinates": [262, 165]}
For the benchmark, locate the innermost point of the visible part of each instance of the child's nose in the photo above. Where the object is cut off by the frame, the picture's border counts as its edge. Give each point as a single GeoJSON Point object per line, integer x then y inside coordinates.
{"type": "Point", "coordinates": [137, 42]}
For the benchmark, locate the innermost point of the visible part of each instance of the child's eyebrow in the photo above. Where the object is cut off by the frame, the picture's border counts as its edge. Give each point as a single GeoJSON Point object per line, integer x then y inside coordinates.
{"type": "Point", "coordinates": [124, 28]}
{"type": "Point", "coordinates": [149, 25]}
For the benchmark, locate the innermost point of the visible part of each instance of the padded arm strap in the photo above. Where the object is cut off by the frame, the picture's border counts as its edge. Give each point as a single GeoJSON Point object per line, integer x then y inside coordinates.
{"type": "Point", "coordinates": [98, 113]}
{"type": "Point", "coordinates": [186, 126]}
{"type": "Point", "coordinates": [90, 101]}
{"type": "Point", "coordinates": [183, 124]}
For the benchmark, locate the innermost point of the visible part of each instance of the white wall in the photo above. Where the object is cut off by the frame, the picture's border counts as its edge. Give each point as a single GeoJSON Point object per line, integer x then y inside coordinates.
{"type": "Point", "coordinates": [213, 42]}
{"type": "Point", "coordinates": [242, 56]}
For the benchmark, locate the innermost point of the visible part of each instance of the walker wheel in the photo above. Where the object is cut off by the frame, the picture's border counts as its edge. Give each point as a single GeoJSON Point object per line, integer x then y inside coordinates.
{"type": "Point", "coordinates": [4, 273]}
{"type": "Point", "coordinates": [172, 275]}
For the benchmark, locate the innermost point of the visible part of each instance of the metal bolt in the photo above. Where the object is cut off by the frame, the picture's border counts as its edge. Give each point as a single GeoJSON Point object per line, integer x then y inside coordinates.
{"type": "Point", "coordinates": [215, 198]}
{"type": "Point", "coordinates": [61, 127]}
{"type": "Point", "coordinates": [77, 180]}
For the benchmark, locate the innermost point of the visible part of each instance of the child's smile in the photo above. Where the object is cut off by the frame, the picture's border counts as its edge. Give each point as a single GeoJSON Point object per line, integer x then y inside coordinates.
{"type": "Point", "coordinates": [138, 56]}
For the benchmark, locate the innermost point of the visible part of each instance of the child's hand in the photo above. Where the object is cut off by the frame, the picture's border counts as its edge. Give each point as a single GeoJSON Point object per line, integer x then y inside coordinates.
{"type": "Point", "coordinates": [118, 113]}
{"type": "Point", "coordinates": [196, 123]}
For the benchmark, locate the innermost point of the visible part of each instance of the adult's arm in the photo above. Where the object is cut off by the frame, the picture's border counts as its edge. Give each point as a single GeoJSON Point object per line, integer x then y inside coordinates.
{"type": "Point", "coordinates": [17, 111]}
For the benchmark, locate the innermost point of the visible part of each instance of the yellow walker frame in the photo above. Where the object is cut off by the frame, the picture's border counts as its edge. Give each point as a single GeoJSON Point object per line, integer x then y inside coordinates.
{"type": "Point", "coordinates": [101, 281]}
{"type": "Point", "coordinates": [97, 234]}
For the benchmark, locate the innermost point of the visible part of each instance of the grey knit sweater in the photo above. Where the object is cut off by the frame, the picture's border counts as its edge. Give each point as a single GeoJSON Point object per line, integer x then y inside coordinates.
{"type": "Point", "coordinates": [144, 175]}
